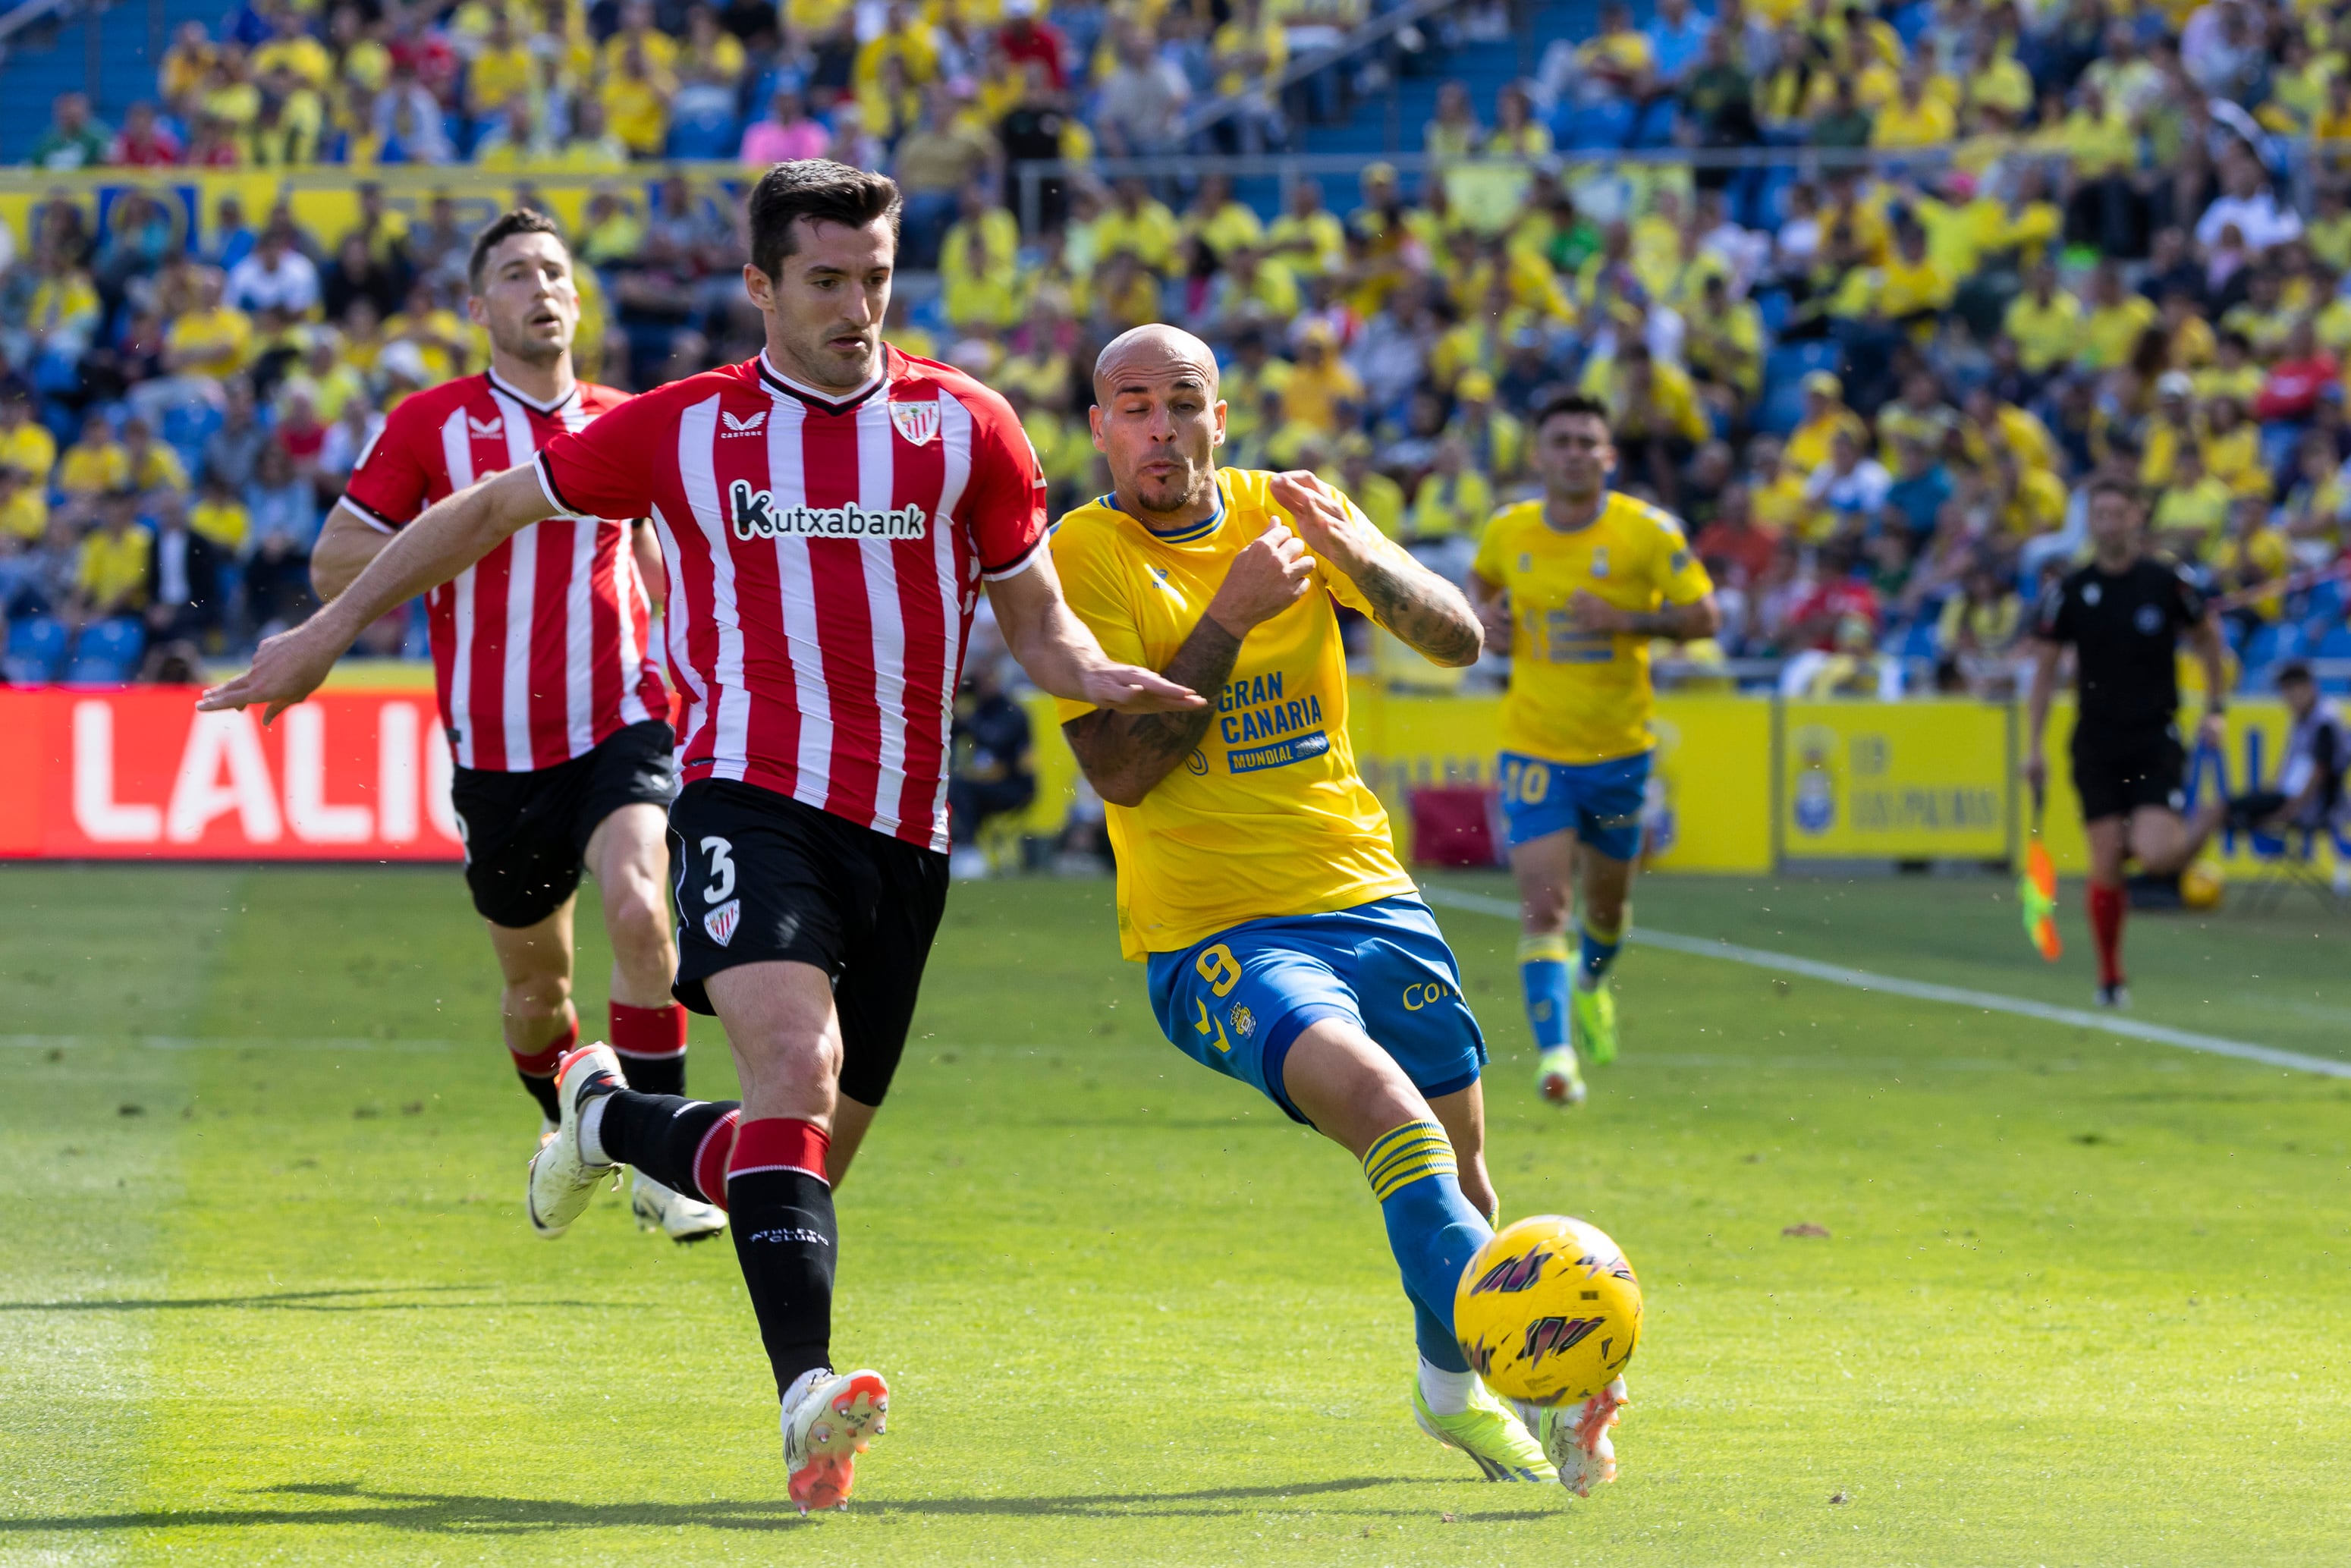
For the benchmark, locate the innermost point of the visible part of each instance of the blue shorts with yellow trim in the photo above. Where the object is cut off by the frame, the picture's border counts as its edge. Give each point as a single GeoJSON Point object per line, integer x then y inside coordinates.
{"type": "Point", "coordinates": [1237, 1000]}
{"type": "Point", "coordinates": [1600, 800]}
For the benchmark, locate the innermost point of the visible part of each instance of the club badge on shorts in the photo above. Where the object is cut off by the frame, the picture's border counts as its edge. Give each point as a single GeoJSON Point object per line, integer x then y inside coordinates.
{"type": "Point", "coordinates": [720, 923]}
{"type": "Point", "coordinates": [917, 422]}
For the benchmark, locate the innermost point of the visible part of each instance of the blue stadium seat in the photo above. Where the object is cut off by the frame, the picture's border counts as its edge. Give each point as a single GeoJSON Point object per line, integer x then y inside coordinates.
{"type": "Point", "coordinates": [1782, 408]}
{"type": "Point", "coordinates": [1595, 125]}
{"type": "Point", "coordinates": [702, 123]}
{"type": "Point", "coordinates": [2335, 645]}
{"type": "Point", "coordinates": [1794, 361]}
{"type": "Point", "coordinates": [189, 423]}
{"type": "Point", "coordinates": [2326, 601]}
{"type": "Point", "coordinates": [36, 646]}
{"type": "Point", "coordinates": [1911, 22]}
{"type": "Point", "coordinates": [106, 652]}
{"type": "Point", "coordinates": [2261, 650]}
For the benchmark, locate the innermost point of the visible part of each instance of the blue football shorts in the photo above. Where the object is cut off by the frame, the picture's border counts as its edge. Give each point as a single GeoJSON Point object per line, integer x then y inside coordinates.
{"type": "Point", "coordinates": [1236, 1001]}
{"type": "Point", "coordinates": [1600, 800]}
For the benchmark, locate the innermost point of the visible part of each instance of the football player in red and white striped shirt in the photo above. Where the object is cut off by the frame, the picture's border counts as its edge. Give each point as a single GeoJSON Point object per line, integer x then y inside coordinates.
{"type": "Point", "coordinates": [829, 513]}
{"type": "Point", "coordinates": [555, 716]}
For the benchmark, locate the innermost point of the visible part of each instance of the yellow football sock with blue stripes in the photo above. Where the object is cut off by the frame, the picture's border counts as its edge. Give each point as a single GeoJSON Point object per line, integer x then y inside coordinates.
{"type": "Point", "coordinates": [1543, 977]}
{"type": "Point", "coordinates": [1596, 948]}
{"type": "Point", "coordinates": [1432, 1229]}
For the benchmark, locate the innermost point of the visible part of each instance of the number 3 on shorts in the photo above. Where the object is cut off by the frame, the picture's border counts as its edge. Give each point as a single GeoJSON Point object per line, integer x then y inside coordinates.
{"type": "Point", "coordinates": [1217, 966]}
{"type": "Point", "coordinates": [722, 870]}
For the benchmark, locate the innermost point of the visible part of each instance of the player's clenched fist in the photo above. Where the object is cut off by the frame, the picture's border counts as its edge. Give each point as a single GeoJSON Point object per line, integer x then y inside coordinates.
{"type": "Point", "coordinates": [1266, 579]}
{"type": "Point", "coordinates": [1332, 529]}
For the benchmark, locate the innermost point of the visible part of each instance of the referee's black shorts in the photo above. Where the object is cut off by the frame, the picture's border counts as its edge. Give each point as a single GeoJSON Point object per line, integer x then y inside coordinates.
{"type": "Point", "coordinates": [526, 833]}
{"type": "Point", "coordinates": [2115, 773]}
{"type": "Point", "coordinates": [762, 877]}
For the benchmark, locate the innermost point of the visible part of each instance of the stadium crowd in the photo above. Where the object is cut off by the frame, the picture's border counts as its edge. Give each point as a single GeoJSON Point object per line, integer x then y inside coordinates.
{"type": "Point", "coordinates": [2008, 250]}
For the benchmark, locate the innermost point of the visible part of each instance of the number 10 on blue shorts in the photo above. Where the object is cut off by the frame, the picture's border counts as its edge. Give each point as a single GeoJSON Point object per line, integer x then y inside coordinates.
{"type": "Point", "coordinates": [1599, 801]}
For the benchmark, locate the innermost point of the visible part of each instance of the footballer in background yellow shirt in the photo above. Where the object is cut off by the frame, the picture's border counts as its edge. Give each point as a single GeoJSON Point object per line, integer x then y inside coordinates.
{"type": "Point", "coordinates": [1575, 586]}
{"type": "Point", "coordinates": [1286, 947]}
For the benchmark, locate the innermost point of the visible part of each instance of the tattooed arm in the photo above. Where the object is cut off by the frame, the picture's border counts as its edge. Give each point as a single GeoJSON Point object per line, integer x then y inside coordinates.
{"type": "Point", "coordinates": [1426, 612]}
{"type": "Point", "coordinates": [1124, 754]}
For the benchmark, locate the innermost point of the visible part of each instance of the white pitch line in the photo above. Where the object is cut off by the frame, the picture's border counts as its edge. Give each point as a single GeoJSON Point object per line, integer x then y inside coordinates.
{"type": "Point", "coordinates": [1927, 991]}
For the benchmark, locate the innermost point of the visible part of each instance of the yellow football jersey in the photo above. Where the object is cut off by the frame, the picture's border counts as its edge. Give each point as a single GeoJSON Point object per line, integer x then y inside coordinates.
{"type": "Point", "coordinates": [1268, 817]}
{"type": "Point", "coordinates": [1580, 697]}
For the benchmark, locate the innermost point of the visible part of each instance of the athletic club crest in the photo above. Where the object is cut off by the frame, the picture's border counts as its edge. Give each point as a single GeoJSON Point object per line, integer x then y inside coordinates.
{"type": "Point", "coordinates": [720, 923]}
{"type": "Point", "coordinates": [917, 422]}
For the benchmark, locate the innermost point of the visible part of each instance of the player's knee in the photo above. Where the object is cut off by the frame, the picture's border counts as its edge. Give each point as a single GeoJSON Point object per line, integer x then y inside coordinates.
{"type": "Point", "coordinates": [789, 1072]}
{"type": "Point", "coordinates": [638, 924]}
{"type": "Point", "coordinates": [1350, 1089]}
{"type": "Point", "coordinates": [1543, 909]}
{"type": "Point", "coordinates": [541, 995]}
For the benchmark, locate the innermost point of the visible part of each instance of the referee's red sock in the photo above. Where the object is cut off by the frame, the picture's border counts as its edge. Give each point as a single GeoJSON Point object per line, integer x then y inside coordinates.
{"type": "Point", "coordinates": [650, 1042]}
{"type": "Point", "coordinates": [2107, 906]}
{"type": "Point", "coordinates": [536, 1068]}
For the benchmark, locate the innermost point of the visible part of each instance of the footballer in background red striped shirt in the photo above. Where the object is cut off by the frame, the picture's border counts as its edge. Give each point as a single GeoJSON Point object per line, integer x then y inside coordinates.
{"type": "Point", "coordinates": [828, 515]}
{"type": "Point", "coordinates": [557, 719]}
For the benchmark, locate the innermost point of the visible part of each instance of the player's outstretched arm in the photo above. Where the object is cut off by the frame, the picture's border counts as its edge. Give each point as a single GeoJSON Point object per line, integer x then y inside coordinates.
{"type": "Point", "coordinates": [1124, 754]}
{"type": "Point", "coordinates": [1063, 657]}
{"type": "Point", "coordinates": [345, 546]}
{"type": "Point", "coordinates": [451, 536]}
{"type": "Point", "coordinates": [1422, 610]}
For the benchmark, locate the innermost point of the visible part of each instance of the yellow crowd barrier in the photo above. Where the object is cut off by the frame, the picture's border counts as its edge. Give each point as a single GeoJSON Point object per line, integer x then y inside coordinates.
{"type": "Point", "coordinates": [1754, 783]}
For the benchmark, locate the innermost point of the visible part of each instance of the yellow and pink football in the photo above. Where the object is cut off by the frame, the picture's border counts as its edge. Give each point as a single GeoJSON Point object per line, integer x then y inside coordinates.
{"type": "Point", "coordinates": [1548, 1310]}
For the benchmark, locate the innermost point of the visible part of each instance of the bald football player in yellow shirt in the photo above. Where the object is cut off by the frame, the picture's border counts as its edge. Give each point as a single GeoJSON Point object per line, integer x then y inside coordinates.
{"type": "Point", "coordinates": [1286, 946]}
{"type": "Point", "coordinates": [1575, 586]}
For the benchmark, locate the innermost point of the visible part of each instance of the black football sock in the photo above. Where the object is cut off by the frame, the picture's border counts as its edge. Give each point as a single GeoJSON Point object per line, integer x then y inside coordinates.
{"type": "Point", "coordinates": [682, 1143]}
{"type": "Point", "coordinates": [780, 1208]}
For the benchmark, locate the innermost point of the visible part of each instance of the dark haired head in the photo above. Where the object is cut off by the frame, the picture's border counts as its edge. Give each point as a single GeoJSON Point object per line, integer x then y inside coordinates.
{"type": "Point", "coordinates": [2294, 672]}
{"type": "Point", "coordinates": [1569, 403]}
{"type": "Point", "coordinates": [521, 221]}
{"type": "Point", "coordinates": [2109, 485]}
{"type": "Point", "coordinates": [821, 191]}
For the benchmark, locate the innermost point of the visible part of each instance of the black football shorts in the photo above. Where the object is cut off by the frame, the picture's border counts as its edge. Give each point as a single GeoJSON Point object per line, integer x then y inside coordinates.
{"type": "Point", "coordinates": [762, 877]}
{"type": "Point", "coordinates": [2115, 775]}
{"type": "Point", "coordinates": [526, 833]}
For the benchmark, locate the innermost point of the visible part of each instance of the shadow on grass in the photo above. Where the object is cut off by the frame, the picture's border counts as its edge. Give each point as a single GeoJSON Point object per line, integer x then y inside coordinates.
{"type": "Point", "coordinates": [462, 1514]}
{"type": "Point", "coordinates": [290, 1302]}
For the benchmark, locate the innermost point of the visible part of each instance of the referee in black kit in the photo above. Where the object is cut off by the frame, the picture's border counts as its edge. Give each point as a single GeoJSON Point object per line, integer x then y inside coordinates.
{"type": "Point", "coordinates": [2124, 614]}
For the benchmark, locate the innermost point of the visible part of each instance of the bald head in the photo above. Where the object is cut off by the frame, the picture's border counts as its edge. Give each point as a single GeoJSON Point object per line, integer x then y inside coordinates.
{"type": "Point", "coordinates": [1153, 358]}
{"type": "Point", "coordinates": [1157, 419]}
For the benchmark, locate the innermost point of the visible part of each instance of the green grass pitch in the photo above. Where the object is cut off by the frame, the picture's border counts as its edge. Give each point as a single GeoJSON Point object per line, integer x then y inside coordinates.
{"type": "Point", "coordinates": [266, 1295]}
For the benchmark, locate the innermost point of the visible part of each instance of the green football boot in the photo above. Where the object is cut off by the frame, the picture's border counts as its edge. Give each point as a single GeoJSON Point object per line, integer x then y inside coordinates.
{"type": "Point", "coordinates": [1591, 1019]}
{"type": "Point", "coordinates": [1493, 1438]}
{"type": "Point", "coordinates": [1558, 1077]}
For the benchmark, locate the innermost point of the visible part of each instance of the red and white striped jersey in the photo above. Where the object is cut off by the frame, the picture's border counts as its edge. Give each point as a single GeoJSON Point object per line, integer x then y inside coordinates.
{"type": "Point", "coordinates": [539, 649]}
{"type": "Point", "coordinates": [824, 562]}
